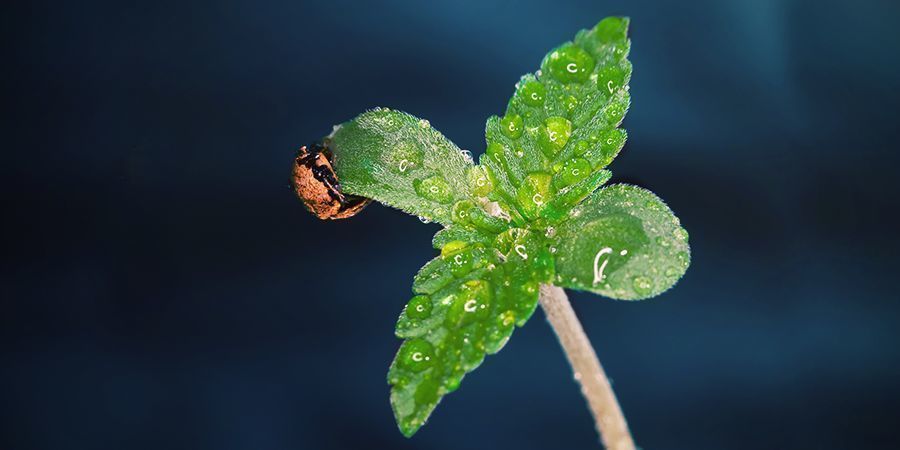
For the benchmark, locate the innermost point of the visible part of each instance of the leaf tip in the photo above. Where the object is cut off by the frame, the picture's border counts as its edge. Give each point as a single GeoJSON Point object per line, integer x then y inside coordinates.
{"type": "Point", "coordinates": [613, 27]}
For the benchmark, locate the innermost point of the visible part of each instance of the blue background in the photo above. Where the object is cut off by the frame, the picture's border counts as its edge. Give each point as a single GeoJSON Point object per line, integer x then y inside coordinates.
{"type": "Point", "coordinates": [162, 288]}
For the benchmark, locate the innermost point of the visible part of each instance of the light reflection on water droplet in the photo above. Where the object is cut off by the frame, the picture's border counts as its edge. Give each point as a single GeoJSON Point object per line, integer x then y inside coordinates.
{"type": "Point", "coordinates": [520, 250]}
{"type": "Point", "coordinates": [598, 267]}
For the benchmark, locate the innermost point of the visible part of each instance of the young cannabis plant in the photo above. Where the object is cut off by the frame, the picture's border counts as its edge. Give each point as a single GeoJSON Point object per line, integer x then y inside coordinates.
{"type": "Point", "coordinates": [531, 213]}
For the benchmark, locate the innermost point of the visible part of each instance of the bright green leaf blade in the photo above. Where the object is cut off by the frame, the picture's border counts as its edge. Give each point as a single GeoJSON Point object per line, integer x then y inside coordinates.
{"type": "Point", "coordinates": [562, 123]}
{"type": "Point", "coordinates": [622, 242]}
{"type": "Point", "coordinates": [468, 302]}
{"type": "Point", "coordinates": [401, 161]}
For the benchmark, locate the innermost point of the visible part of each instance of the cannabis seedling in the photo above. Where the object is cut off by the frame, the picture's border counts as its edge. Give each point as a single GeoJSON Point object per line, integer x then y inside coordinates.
{"type": "Point", "coordinates": [527, 218]}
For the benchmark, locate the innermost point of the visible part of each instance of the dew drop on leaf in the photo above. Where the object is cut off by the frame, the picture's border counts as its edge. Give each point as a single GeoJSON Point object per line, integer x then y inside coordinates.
{"type": "Point", "coordinates": [461, 262]}
{"type": "Point", "coordinates": [479, 180]}
{"type": "Point", "coordinates": [471, 303]}
{"type": "Point", "coordinates": [416, 355]}
{"type": "Point", "coordinates": [419, 307]}
{"type": "Point", "coordinates": [512, 126]}
{"type": "Point", "coordinates": [434, 188]}
{"type": "Point", "coordinates": [610, 79]}
{"type": "Point", "coordinates": [554, 135]}
{"type": "Point", "coordinates": [404, 157]}
{"type": "Point", "coordinates": [570, 64]}
{"type": "Point", "coordinates": [572, 171]}
{"type": "Point", "coordinates": [460, 212]}
{"type": "Point", "coordinates": [532, 93]}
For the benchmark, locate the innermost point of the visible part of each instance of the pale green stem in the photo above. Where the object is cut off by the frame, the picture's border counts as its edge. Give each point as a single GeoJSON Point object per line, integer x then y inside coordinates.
{"type": "Point", "coordinates": [595, 387]}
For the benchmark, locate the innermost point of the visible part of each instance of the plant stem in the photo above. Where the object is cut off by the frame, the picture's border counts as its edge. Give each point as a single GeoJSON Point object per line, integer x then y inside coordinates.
{"type": "Point", "coordinates": [595, 387]}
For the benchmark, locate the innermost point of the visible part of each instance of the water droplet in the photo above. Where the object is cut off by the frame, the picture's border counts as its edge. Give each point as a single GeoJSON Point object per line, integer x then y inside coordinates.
{"type": "Point", "coordinates": [642, 285]}
{"type": "Point", "coordinates": [403, 157]}
{"type": "Point", "coordinates": [615, 111]}
{"type": "Point", "coordinates": [419, 307]}
{"type": "Point", "coordinates": [570, 64]}
{"type": "Point", "coordinates": [461, 258]}
{"type": "Point", "coordinates": [471, 303]}
{"type": "Point", "coordinates": [610, 79]}
{"type": "Point", "coordinates": [572, 171]}
{"type": "Point", "coordinates": [416, 355]}
{"type": "Point", "coordinates": [424, 219]}
{"type": "Point", "coordinates": [550, 232]}
{"type": "Point", "coordinates": [460, 212]}
{"type": "Point", "coordinates": [467, 155]}
{"type": "Point", "coordinates": [479, 180]}
{"type": "Point", "coordinates": [434, 188]}
{"type": "Point", "coordinates": [534, 192]}
{"type": "Point", "coordinates": [623, 252]}
{"type": "Point", "coordinates": [532, 93]}
{"type": "Point", "coordinates": [554, 135]}
{"type": "Point", "coordinates": [512, 126]}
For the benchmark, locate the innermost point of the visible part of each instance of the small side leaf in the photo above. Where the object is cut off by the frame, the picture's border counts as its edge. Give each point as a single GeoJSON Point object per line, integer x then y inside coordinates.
{"type": "Point", "coordinates": [561, 125]}
{"type": "Point", "coordinates": [401, 161]}
{"type": "Point", "coordinates": [468, 302]}
{"type": "Point", "coordinates": [622, 242]}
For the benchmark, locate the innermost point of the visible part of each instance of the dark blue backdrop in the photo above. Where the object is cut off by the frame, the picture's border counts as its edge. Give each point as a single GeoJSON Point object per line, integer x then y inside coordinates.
{"type": "Point", "coordinates": [161, 287]}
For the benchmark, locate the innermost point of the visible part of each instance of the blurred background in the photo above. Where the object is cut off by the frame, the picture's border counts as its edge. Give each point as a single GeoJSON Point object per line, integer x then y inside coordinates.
{"type": "Point", "coordinates": [162, 288]}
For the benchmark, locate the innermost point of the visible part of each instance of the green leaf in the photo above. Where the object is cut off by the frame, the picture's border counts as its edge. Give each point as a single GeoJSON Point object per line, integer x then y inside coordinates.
{"type": "Point", "coordinates": [468, 302]}
{"type": "Point", "coordinates": [401, 161]}
{"type": "Point", "coordinates": [561, 126]}
{"type": "Point", "coordinates": [622, 242]}
{"type": "Point", "coordinates": [529, 213]}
